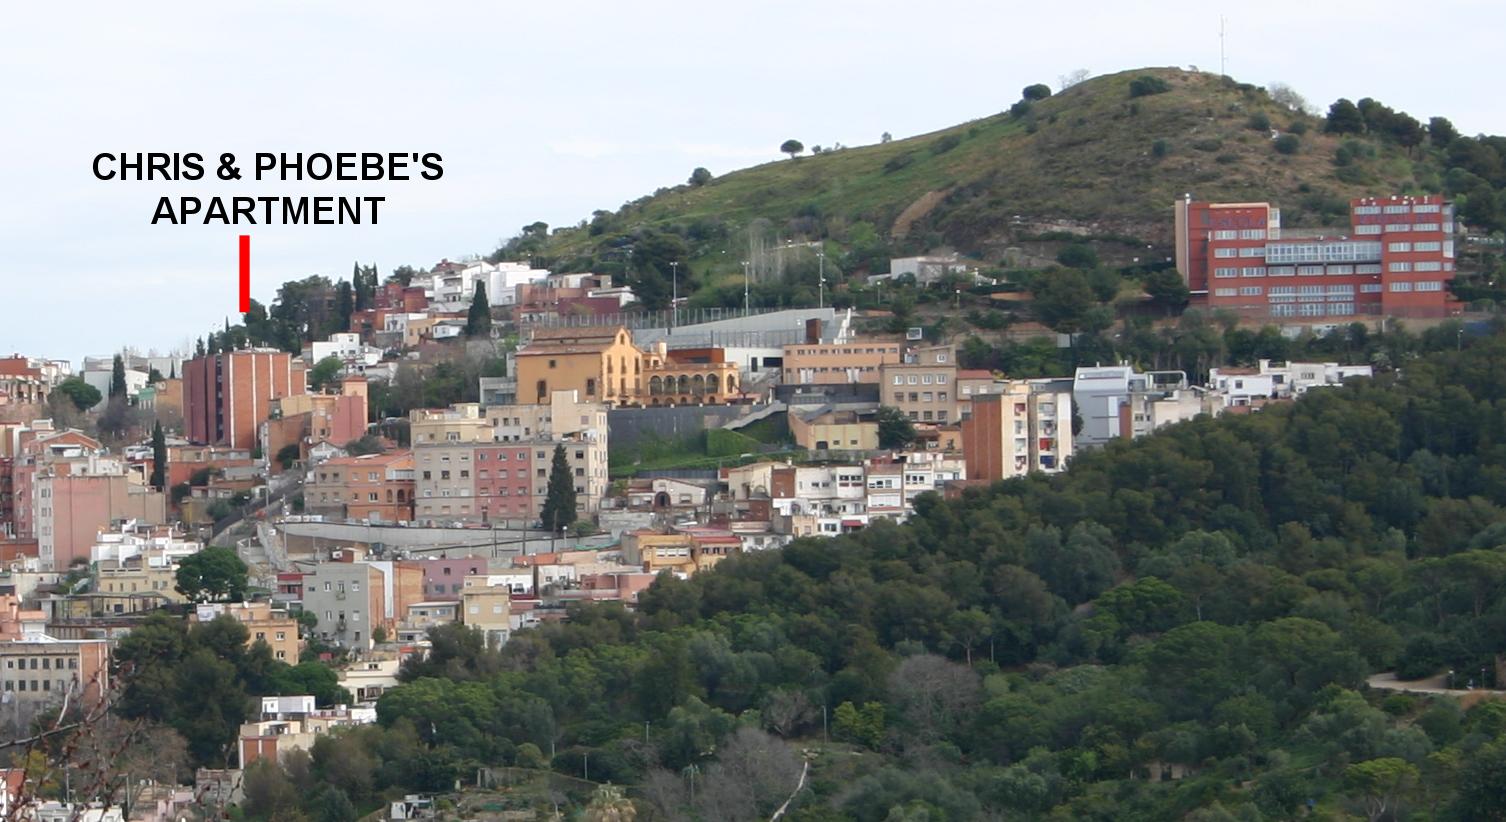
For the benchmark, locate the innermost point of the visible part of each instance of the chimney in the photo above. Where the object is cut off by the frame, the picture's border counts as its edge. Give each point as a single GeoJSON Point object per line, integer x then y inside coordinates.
{"type": "Point", "coordinates": [813, 331]}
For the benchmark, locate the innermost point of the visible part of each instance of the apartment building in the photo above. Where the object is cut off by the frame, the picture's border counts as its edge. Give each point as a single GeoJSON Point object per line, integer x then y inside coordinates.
{"type": "Point", "coordinates": [307, 419]}
{"type": "Point", "coordinates": [369, 488]}
{"type": "Point", "coordinates": [349, 599]}
{"type": "Point", "coordinates": [38, 670]}
{"type": "Point", "coordinates": [923, 384]}
{"type": "Point", "coordinates": [838, 363]}
{"type": "Point", "coordinates": [76, 499]}
{"type": "Point", "coordinates": [1395, 258]}
{"type": "Point", "coordinates": [274, 626]}
{"type": "Point", "coordinates": [22, 382]}
{"type": "Point", "coordinates": [487, 608]}
{"type": "Point", "coordinates": [474, 468]}
{"type": "Point", "coordinates": [227, 396]}
{"type": "Point", "coordinates": [1027, 427]}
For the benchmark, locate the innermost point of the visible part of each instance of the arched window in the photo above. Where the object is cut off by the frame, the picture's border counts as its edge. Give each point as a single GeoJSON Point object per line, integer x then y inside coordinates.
{"type": "Point", "coordinates": [656, 386]}
{"type": "Point", "coordinates": [684, 384]}
{"type": "Point", "coordinates": [698, 384]}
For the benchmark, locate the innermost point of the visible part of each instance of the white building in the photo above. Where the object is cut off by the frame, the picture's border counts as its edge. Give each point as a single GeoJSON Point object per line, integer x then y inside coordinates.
{"type": "Point", "coordinates": [1244, 386]}
{"type": "Point", "coordinates": [458, 286]}
{"type": "Point", "coordinates": [345, 347]}
{"type": "Point", "coordinates": [100, 379]}
{"type": "Point", "coordinates": [158, 546]}
{"type": "Point", "coordinates": [1117, 401]}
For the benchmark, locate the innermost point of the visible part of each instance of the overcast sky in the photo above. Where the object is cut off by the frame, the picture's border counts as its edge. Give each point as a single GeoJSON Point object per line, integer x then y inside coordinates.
{"type": "Point", "coordinates": [546, 111]}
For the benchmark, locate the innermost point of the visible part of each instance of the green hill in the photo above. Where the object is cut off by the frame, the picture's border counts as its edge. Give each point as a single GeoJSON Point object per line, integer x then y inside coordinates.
{"type": "Point", "coordinates": [1097, 159]}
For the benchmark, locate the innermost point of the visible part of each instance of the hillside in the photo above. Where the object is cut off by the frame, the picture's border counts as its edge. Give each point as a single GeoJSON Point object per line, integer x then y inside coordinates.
{"type": "Point", "coordinates": [1092, 159]}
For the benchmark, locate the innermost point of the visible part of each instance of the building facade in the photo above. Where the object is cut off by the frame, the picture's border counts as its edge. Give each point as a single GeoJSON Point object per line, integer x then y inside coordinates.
{"type": "Point", "coordinates": [226, 396]}
{"type": "Point", "coordinates": [1396, 258]}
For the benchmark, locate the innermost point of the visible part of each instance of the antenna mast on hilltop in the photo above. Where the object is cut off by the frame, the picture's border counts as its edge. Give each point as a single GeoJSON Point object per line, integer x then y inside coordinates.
{"type": "Point", "coordinates": [1221, 70]}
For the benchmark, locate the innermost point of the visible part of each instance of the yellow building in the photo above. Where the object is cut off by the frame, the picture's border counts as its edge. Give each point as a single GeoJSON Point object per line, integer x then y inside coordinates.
{"type": "Point", "coordinates": [263, 624]}
{"type": "Point", "coordinates": [827, 429]}
{"type": "Point", "coordinates": [487, 608]}
{"type": "Point", "coordinates": [603, 365]}
{"type": "Point", "coordinates": [600, 364]}
{"type": "Point", "coordinates": [132, 578]}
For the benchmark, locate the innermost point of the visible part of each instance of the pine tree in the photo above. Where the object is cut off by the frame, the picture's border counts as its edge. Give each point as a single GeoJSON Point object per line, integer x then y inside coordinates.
{"type": "Point", "coordinates": [117, 378]}
{"type": "Point", "coordinates": [559, 505]}
{"type": "Point", "coordinates": [478, 323]}
{"type": "Point", "coordinates": [198, 348]}
{"type": "Point", "coordinates": [159, 457]}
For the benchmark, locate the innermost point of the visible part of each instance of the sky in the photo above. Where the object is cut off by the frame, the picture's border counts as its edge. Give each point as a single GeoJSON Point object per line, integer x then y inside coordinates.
{"type": "Point", "coordinates": [548, 111]}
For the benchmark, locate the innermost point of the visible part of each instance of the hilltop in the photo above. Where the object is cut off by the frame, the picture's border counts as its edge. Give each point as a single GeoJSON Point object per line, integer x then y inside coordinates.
{"type": "Point", "coordinates": [1101, 159]}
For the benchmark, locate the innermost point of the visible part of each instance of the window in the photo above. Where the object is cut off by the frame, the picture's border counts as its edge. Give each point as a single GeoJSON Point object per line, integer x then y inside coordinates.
{"type": "Point", "coordinates": [1399, 247]}
{"type": "Point", "coordinates": [1428, 266]}
{"type": "Point", "coordinates": [1226, 234]}
{"type": "Point", "coordinates": [1430, 285]}
{"type": "Point", "coordinates": [1255, 271]}
{"type": "Point", "coordinates": [1367, 229]}
{"type": "Point", "coordinates": [1252, 234]}
{"type": "Point", "coordinates": [1250, 291]}
{"type": "Point", "coordinates": [1370, 288]}
{"type": "Point", "coordinates": [1225, 292]}
{"type": "Point", "coordinates": [1255, 251]}
{"type": "Point", "coordinates": [1225, 252]}
{"type": "Point", "coordinates": [1401, 266]}
{"type": "Point", "coordinates": [1397, 209]}
{"type": "Point", "coordinates": [1394, 227]}
{"type": "Point", "coordinates": [1425, 208]}
{"type": "Point", "coordinates": [1365, 210]}
{"type": "Point", "coordinates": [1225, 272]}
{"type": "Point", "coordinates": [1432, 245]}
{"type": "Point", "coordinates": [1400, 288]}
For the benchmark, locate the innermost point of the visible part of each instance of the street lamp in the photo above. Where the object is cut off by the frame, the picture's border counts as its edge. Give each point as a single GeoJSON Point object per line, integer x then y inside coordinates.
{"type": "Point", "coordinates": [747, 300]}
{"type": "Point", "coordinates": [674, 299]}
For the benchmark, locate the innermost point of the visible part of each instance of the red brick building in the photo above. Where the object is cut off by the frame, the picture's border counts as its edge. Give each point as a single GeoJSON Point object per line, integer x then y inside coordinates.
{"type": "Point", "coordinates": [1395, 258]}
{"type": "Point", "coordinates": [227, 396]}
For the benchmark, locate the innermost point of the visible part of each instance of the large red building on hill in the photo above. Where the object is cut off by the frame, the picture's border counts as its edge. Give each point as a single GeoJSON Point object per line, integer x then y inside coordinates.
{"type": "Point", "coordinates": [227, 396]}
{"type": "Point", "coordinates": [1396, 258]}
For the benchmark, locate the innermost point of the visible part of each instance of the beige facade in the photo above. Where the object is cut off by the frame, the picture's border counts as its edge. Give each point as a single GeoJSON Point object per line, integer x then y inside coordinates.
{"type": "Point", "coordinates": [598, 364]}
{"type": "Point", "coordinates": [924, 385]}
{"type": "Point", "coordinates": [263, 624]}
{"type": "Point", "coordinates": [834, 431]}
{"type": "Point", "coordinates": [133, 579]}
{"type": "Point", "coordinates": [487, 608]}
{"type": "Point", "coordinates": [458, 423]}
{"type": "Point", "coordinates": [565, 414]}
{"type": "Point", "coordinates": [838, 363]}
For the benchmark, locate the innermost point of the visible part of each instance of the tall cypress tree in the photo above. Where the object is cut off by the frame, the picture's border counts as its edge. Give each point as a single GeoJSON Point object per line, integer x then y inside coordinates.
{"type": "Point", "coordinates": [344, 305]}
{"type": "Point", "coordinates": [478, 322]}
{"type": "Point", "coordinates": [159, 457]}
{"type": "Point", "coordinates": [117, 378]}
{"type": "Point", "coordinates": [559, 505]}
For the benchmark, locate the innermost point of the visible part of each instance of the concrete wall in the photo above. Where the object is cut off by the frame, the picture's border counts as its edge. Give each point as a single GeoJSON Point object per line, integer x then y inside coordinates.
{"type": "Point", "coordinates": [630, 425]}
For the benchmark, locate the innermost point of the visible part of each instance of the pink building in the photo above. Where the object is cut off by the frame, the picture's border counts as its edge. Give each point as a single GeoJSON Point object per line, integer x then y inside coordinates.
{"type": "Point", "coordinates": [443, 578]}
{"type": "Point", "coordinates": [503, 479]}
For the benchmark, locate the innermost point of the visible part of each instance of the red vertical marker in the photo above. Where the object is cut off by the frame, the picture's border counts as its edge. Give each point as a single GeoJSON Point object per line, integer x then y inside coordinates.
{"type": "Point", "coordinates": [245, 273]}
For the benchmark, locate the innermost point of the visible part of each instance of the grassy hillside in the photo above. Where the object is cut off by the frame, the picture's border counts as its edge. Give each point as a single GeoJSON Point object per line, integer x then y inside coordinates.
{"type": "Point", "coordinates": [1093, 159]}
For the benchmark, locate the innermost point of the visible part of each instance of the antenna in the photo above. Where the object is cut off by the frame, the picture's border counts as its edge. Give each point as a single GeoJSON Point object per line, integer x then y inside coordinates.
{"type": "Point", "coordinates": [1221, 69]}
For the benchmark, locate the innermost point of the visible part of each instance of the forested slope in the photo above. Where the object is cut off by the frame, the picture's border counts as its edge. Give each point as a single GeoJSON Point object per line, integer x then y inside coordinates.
{"type": "Point", "coordinates": [1205, 602]}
